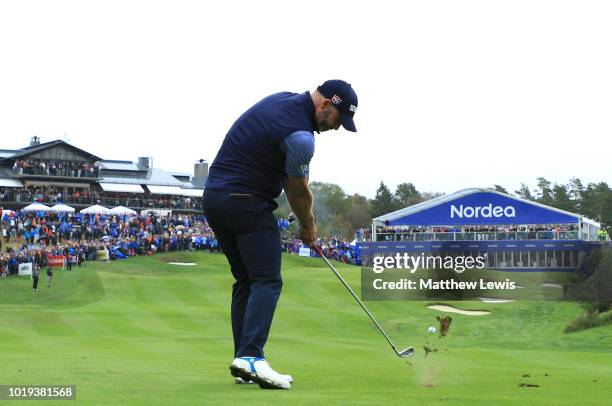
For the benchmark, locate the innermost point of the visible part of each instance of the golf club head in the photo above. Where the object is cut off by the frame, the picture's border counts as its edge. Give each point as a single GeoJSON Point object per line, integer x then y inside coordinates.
{"type": "Point", "coordinates": [408, 352]}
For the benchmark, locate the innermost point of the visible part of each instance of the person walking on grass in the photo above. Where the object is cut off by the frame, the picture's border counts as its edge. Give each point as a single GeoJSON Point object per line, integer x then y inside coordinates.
{"type": "Point", "coordinates": [49, 276]}
{"type": "Point", "coordinates": [35, 275]}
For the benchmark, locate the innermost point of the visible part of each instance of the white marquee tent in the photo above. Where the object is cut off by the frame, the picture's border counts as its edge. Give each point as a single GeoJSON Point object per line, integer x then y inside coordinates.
{"type": "Point", "coordinates": [36, 207]}
{"type": "Point", "coordinates": [120, 211]}
{"type": "Point", "coordinates": [62, 208]}
{"type": "Point", "coordinates": [95, 209]}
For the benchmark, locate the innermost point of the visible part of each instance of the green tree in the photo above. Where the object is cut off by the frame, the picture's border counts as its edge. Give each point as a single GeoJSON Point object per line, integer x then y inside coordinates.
{"type": "Point", "coordinates": [597, 203]}
{"type": "Point", "coordinates": [561, 198]}
{"type": "Point", "coordinates": [407, 195]}
{"type": "Point", "coordinates": [384, 201]}
{"type": "Point", "coordinates": [330, 195]}
{"type": "Point", "coordinates": [524, 192]}
{"type": "Point", "coordinates": [501, 189]}
{"type": "Point", "coordinates": [360, 212]}
{"type": "Point", "coordinates": [575, 189]}
{"type": "Point", "coordinates": [430, 195]}
{"type": "Point", "coordinates": [544, 192]}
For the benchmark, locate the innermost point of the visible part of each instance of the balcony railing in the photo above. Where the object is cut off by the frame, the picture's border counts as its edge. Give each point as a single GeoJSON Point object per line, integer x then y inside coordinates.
{"type": "Point", "coordinates": [56, 172]}
{"type": "Point", "coordinates": [479, 236]}
{"type": "Point", "coordinates": [194, 203]}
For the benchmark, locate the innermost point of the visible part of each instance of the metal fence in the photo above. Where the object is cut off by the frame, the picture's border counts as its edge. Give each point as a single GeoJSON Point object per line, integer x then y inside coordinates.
{"type": "Point", "coordinates": [194, 203]}
{"type": "Point", "coordinates": [60, 172]}
{"type": "Point", "coordinates": [479, 236]}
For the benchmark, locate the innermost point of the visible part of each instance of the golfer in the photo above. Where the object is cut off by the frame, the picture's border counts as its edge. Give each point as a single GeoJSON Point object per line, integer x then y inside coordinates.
{"type": "Point", "coordinates": [266, 150]}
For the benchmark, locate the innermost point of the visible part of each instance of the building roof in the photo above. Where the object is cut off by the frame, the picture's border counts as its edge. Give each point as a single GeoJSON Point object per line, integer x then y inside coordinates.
{"type": "Point", "coordinates": [439, 211]}
{"type": "Point", "coordinates": [7, 153]}
{"type": "Point", "coordinates": [26, 151]}
{"type": "Point", "coordinates": [154, 176]}
{"type": "Point", "coordinates": [180, 174]}
{"type": "Point", "coordinates": [120, 166]}
{"type": "Point", "coordinates": [121, 188]}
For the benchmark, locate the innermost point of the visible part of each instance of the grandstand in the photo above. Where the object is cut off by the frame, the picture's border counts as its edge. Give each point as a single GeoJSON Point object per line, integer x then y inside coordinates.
{"type": "Point", "coordinates": [57, 172]}
{"type": "Point", "coordinates": [511, 233]}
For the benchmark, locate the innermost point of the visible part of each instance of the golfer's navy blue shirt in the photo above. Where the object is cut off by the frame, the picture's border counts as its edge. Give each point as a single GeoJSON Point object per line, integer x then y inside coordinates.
{"type": "Point", "coordinates": [271, 140]}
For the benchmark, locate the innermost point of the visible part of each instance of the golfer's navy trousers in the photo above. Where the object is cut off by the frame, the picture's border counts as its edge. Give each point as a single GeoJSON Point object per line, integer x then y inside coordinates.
{"type": "Point", "coordinates": [250, 239]}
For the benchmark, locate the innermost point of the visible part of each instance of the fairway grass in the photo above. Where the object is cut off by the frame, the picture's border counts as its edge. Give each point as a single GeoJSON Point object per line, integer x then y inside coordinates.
{"type": "Point", "coordinates": [142, 331]}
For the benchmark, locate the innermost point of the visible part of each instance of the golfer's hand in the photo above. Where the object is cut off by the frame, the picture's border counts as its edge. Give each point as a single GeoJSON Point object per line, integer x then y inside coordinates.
{"type": "Point", "coordinates": [308, 234]}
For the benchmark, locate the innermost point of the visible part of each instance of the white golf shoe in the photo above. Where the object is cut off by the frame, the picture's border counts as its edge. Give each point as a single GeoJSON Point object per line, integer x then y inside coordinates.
{"type": "Point", "coordinates": [240, 381]}
{"type": "Point", "coordinates": [258, 370]}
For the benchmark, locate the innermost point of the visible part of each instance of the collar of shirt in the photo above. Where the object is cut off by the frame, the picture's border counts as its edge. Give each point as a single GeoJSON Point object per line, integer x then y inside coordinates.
{"type": "Point", "coordinates": [310, 111]}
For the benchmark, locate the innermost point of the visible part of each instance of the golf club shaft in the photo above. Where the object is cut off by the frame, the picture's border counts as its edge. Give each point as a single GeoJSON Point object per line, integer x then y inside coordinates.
{"type": "Point", "coordinates": [363, 306]}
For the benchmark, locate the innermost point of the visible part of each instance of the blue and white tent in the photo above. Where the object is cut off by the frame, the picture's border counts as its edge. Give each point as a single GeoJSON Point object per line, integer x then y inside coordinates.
{"type": "Point", "coordinates": [479, 206]}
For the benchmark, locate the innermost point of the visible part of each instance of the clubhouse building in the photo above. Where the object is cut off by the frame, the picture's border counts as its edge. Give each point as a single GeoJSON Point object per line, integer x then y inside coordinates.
{"type": "Point", "coordinates": [56, 171]}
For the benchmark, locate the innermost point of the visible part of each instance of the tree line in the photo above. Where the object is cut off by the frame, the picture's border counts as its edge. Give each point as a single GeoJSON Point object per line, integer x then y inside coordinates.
{"type": "Point", "coordinates": [339, 214]}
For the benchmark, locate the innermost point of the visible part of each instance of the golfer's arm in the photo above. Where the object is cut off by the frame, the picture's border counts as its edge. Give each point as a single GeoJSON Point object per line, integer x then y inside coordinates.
{"type": "Point", "coordinates": [300, 199]}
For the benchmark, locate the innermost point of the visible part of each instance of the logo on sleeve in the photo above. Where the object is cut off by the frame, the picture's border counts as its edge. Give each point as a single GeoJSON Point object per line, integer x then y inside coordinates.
{"type": "Point", "coordinates": [304, 169]}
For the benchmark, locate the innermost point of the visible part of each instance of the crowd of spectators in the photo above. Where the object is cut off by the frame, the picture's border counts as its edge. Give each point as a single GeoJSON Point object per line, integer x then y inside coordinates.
{"type": "Point", "coordinates": [79, 236]}
{"type": "Point", "coordinates": [465, 229]}
{"type": "Point", "coordinates": [75, 253]}
{"type": "Point", "coordinates": [477, 233]}
{"type": "Point", "coordinates": [363, 234]}
{"type": "Point", "coordinates": [54, 195]}
{"type": "Point", "coordinates": [32, 194]}
{"type": "Point", "coordinates": [333, 248]}
{"type": "Point", "coordinates": [73, 169]}
{"type": "Point", "coordinates": [339, 249]}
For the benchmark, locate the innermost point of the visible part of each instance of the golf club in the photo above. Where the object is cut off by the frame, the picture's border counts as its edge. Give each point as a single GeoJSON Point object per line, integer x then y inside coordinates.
{"type": "Point", "coordinates": [405, 353]}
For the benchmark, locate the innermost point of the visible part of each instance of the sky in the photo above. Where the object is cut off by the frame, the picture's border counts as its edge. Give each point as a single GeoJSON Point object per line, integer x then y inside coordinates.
{"type": "Point", "coordinates": [452, 94]}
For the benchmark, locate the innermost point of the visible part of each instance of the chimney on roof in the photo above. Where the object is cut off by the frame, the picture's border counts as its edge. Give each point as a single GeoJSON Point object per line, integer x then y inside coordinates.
{"type": "Point", "coordinates": [200, 173]}
{"type": "Point", "coordinates": [35, 140]}
{"type": "Point", "coordinates": [145, 163]}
